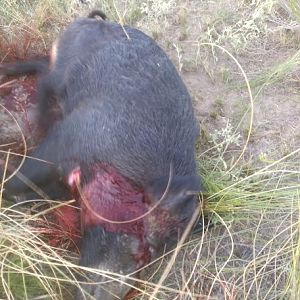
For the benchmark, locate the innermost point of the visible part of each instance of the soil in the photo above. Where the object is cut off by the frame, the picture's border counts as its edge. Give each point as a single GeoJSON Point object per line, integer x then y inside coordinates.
{"type": "Point", "coordinates": [214, 84]}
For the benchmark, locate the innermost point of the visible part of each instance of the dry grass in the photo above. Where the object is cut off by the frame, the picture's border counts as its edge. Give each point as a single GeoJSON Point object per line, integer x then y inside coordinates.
{"type": "Point", "coordinates": [253, 249]}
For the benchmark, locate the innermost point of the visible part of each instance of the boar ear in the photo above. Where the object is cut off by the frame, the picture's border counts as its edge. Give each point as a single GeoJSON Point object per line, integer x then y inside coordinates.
{"type": "Point", "coordinates": [179, 188]}
{"type": "Point", "coordinates": [174, 209]}
{"type": "Point", "coordinates": [74, 179]}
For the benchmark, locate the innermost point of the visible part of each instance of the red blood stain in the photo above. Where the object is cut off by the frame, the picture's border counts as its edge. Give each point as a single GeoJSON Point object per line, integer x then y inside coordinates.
{"type": "Point", "coordinates": [22, 95]}
{"type": "Point", "coordinates": [110, 200]}
{"type": "Point", "coordinates": [62, 228]}
{"type": "Point", "coordinates": [68, 219]}
{"type": "Point", "coordinates": [106, 199]}
{"type": "Point", "coordinates": [21, 100]}
{"type": "Point", "coordinates": [112, 197]}
{"type": "Point", "coordinates": [132, 294]}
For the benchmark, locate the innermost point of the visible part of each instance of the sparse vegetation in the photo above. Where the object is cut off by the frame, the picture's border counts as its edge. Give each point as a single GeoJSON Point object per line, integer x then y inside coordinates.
{"type": "Point", "coordinates": [29, 266]}
{"type": "Point", "coordinates": [252, 176]}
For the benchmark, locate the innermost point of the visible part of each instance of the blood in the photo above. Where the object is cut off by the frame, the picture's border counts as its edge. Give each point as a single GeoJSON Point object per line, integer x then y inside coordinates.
{"type": "Point", "coordinates": [19, 97]}
{"type": "Point", "coordinates": [107, 199]}
{"type": "Point", "coordinates": [22, 95]}
{"type": "Point", "coordinates": [68, 219]}
{"type": "Point", "coordinates": [62, 228]}
{"type": "Point", "coordinates": [114, 199]}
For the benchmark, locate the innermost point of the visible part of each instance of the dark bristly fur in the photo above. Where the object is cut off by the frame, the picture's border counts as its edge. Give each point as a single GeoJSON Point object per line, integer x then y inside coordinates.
{"type": "Point", "coordinates": [98, 13]}
{"type": "Point", "coordinates": [123, 104]}
{"type": "Point", "coordinates": [34, 66]}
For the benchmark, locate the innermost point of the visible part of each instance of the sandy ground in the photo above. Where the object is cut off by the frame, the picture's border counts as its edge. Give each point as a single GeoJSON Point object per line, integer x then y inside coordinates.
{"type": "Point", "coordinates": [214, 81]}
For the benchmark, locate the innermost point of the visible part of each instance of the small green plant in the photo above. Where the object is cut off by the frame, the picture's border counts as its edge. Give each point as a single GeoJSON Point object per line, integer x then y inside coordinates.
{"type": "Point", "coordinates": [278, 72]}
{"type": "Point", "coordinates": [155, 14]}
{"type": "Point", "coordinates": [250, 25]}
{"type": "Point", "coordinates": [295, 8]}
{"type": "Point", "coordinates": [29, 267]}
{"type": "Point", "coordinates": [157, 10]}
